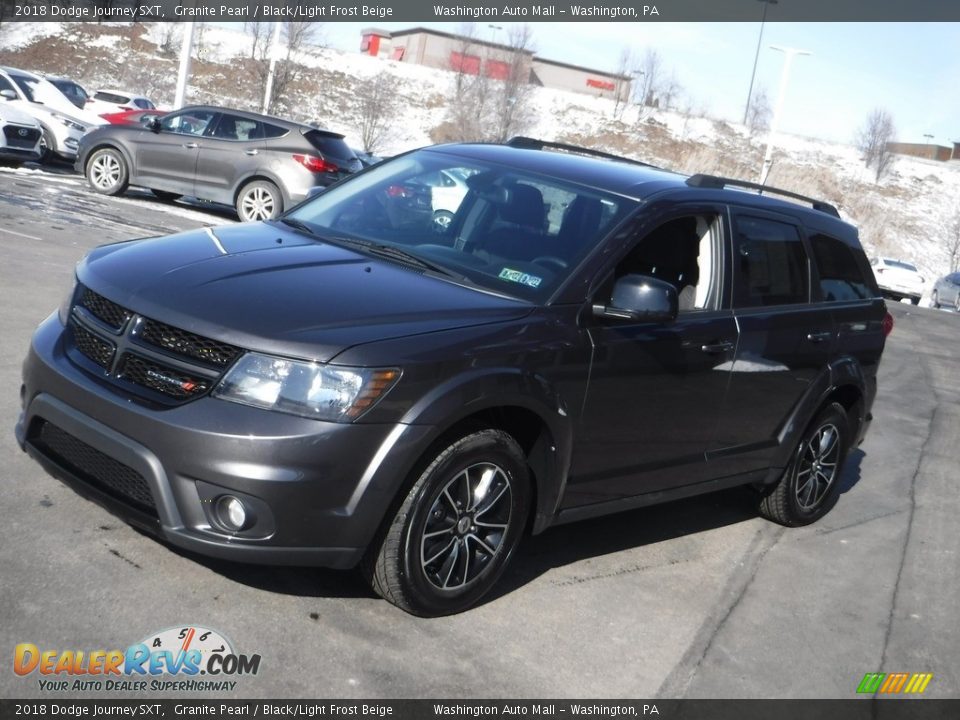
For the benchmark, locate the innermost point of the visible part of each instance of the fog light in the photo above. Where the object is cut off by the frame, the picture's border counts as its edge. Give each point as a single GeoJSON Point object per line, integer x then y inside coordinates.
{"type": "Point", "coordinates": [231, 512]}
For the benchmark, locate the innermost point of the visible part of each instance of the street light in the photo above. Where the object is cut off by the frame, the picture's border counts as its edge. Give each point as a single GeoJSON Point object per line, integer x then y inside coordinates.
{"type": "Point", "coordinates": [756, 57]}
{"type": "Point", "coordinates": [775, 123]}
{"type": "Point", "coordinates": [928, 137]}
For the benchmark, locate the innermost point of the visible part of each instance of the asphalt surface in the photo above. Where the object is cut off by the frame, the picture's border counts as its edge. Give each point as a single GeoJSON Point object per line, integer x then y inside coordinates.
{"type": "Point", "coordinates": [698, 598]}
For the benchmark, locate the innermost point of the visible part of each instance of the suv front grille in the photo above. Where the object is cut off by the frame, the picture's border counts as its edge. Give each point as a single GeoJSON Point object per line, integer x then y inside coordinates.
{"type": "Point", "coordinates": [106, 310]}
{"type": "Point", "coordinates": [93, 467]}
{"type": "Point", "coordinates": [21, 137]}
{"type": "Point", "coordinates": [147, 357]}
{"type": "Point", "coordinates": [186, 343]}
{"type": "Point", "coordinates": [160, 378]}
{"type": "Point", "coordinates": [100, 351]}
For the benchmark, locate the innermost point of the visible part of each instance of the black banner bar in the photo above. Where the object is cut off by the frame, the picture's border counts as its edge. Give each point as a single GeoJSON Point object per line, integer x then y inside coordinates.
{"type": "Point", "coordinates": [488, 10]}
{"type": "Point", "coordinates": [858, 709]}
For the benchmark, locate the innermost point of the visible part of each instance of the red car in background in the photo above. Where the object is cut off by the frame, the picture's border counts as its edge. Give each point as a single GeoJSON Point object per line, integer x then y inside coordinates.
{"type": "Point", "coordinates": [132, 117]}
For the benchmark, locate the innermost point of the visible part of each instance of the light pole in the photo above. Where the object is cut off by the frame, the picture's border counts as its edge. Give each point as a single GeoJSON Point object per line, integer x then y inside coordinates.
{"type": "Point", "coordinates": [183, 72]}
{"type": "Point", "coordinates": [790, 53]}
{"type": "Point", "coordinates": [756, 57]}
{"type": "Point", "coordinates": [928, 137]}
{"type": "Point", "coordinates": [272, 70]}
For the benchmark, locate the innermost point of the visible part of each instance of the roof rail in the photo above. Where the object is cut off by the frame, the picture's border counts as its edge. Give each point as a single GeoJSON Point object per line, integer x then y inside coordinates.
{"type": "Point", "coordinates": [518, 141]}
{"type": "Point", "coordinates": [718, 183]}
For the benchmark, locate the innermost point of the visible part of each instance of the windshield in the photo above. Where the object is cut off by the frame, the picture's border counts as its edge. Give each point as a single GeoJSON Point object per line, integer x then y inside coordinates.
{"type": "Point", "coordinates": [26, 85]}
{"type": "Point", "coordinates": [500, 227]}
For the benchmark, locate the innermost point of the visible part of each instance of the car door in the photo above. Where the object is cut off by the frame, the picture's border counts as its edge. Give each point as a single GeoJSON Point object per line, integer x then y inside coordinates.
{"type": "Point", "coordinates": [229, 152]}
{"type": "Point", "coordinates": [167, 159]}
{"type": "Point", "coordinates": [784, 340]}
{"type": "Point", "coordinates": [656, 389]}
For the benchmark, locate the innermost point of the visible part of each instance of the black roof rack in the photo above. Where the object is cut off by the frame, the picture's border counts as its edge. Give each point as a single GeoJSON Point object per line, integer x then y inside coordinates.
{"type": "Point", "coordinates": [527, 143]}
{"type": "Point", "coordinates": [718, 183]}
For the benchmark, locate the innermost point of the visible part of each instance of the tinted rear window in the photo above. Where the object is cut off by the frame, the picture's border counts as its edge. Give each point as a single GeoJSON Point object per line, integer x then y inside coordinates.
{"type": "Point", "coordinates": [772, 264]}
{"type": "Point", "coordinates": [900, 264]}
{"type": "Point", "coordinates": [111, 98]}
{"type": "Point", "coordinates": [329, 144]}
{"type": "Point", "coordinates": [840, 275]}
{"type": "Point", "coordinates": [273, 131]}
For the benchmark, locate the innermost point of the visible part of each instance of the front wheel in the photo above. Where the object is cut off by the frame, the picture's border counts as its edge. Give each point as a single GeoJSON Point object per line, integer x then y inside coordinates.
{"type": "Point", "coordinates": [915, 300]}
{"type": "Point", "coordinates": [259, 200]}
{"type": "Point", "coordinates": [107, 172]}
{"type": "Point", "coordinates": [935, 300]}
{"type": "Point", "coordinates": [456, 529]}
{"type": "Point", "coordinates": [47, 146]}
{"type": "Point", "coordinates": [811, 483]}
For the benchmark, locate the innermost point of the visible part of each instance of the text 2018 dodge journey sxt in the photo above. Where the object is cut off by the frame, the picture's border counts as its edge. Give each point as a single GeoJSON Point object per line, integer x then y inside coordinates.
{"type": "Point", "coordinates": [357, 383]}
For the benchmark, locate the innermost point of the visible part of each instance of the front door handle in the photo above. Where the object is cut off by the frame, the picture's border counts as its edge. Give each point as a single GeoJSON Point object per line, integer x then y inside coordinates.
{"type": "Point", "coordinates": [251, 152]}
{"type": "Point", "coordinates": [819, 337]}
{"type": "Point", "coordinates": [717, 347]}
{"type": "Point", "coordinates": [191, 146]}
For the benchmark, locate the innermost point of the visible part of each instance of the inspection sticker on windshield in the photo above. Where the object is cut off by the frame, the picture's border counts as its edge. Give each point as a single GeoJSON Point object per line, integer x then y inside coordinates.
{"type": "Point", "coordinates": [520, 277]}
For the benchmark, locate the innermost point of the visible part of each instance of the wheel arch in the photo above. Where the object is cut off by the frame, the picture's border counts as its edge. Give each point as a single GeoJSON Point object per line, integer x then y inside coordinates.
{"type": "Point", "coordinates": [107, 145]}
{"type": "Point", "coordinates": [262, 176]}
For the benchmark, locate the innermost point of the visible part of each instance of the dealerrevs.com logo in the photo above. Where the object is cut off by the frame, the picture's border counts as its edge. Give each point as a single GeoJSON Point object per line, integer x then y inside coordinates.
{"type": "Point", "coordinates": [177, 659]}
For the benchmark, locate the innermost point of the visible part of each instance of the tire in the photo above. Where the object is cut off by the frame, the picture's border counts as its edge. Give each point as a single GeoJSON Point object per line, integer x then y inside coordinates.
{"type": "Point", "coordinates": [259, 200]}
{"type": "Point", "coordinates": [167, 196]}
{"type": "Point", "coordinates": [47, 143]}
{"type": "Point", "coordinates": [811, 484]}
{"type": "Point", "coordinates": [956, 303]}
{"type": "Point", "coordinates": [442, 220]}
{"type": "Point", "coordinates": [107, 172]}
{"type": "Point", "coordinates": [915, 300]}
{"type": "Point", "coordinates": [935, 300]}
{"type": "Point", "coordinates": [437, 557]}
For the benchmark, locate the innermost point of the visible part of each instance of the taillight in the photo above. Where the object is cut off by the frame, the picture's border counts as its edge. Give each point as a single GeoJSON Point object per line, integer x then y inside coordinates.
{"type": "Point", "coordinates": [399, 191]}
{"type": "Point", "coordinates": [887, 324]}
{"type": "Point", "coordinates": [315, 164]}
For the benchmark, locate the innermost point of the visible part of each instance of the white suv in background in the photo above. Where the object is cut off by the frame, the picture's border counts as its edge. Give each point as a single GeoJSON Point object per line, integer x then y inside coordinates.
{"type": "Point", "coordinates": [61, 122]}
{"type": "Point", "coordinates": [898, 279]}
{"type": "Point", "coordinates": [111, 101]}
{"type": "Point", "coordinates": [19, 133]}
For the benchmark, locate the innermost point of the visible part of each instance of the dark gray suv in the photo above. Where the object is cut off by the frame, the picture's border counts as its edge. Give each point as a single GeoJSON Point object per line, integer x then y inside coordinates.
{"type": "Point", "coordinates": [355, 383]}
{"type": "Point", "coordinates": [257, 163]}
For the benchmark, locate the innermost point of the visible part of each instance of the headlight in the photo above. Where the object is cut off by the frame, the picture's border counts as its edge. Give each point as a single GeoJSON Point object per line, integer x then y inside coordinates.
{"type": "Point", "coordinates": [66, 305]}
{"type": "Point", "coordinates": [69, 123]}
{"type": "Point", "coordinates": [312, 390]}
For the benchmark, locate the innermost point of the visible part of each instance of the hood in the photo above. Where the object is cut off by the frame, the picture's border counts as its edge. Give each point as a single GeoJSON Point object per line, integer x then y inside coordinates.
{"type": "Point", "coordinates": [262, 287]}
{"type": "Point", "coordinates": [10, 113]}
{"type": "Point", "coordinates": [47, 94]}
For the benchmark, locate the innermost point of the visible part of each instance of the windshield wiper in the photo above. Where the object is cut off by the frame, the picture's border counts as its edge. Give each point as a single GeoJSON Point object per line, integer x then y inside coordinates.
{"type": "Point", "coordinates": [299, 225]}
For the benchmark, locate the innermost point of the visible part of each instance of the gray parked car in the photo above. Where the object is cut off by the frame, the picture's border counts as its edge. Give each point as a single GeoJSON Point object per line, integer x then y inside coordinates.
{"type": "Point", "coordinates": [946, 291]}
{"type": "Point", "coordinates": [259, 164]}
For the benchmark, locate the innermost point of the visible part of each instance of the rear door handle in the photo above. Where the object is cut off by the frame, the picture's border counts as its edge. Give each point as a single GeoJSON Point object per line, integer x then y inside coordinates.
{"type": "Point", "coordinates": [718, 347]}
{"type": "Point", "coordinates": [819, 337]}
{"type": "Point", "coordinates": [191, 146]}
{"type": "Point", "coordinates": [251, 152]}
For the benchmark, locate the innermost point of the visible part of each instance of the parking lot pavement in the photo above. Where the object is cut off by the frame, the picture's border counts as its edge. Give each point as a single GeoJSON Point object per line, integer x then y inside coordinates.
{"type": "Point", "coordinates": [697, 598]}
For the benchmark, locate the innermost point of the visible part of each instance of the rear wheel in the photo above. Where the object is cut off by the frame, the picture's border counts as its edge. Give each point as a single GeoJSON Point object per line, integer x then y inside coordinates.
{"type": "Point", "coordinates": [811, 483]}
{"type": "Point", "coordinates": [456, 529]}
{"type": "Point", "coordinates": [259, 200]}
{"type": "Point", "coordinates": [915, 300]}
{"type": "Point", "coordinates": [107, 172]}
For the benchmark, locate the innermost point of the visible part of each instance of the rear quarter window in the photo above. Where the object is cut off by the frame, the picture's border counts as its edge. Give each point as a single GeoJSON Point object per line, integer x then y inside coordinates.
{"type": "Point", "coordinates": [841, 277]}
{"type": "Point", "coordinates": [273, 131]}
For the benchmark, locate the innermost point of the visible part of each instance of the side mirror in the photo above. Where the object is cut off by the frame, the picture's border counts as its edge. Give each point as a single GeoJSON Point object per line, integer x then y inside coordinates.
{"type": "Point", "coordinates": [154, 125]}
{"type": "Point", "coordinates": [8, 94]}
{"type": "Point", "coordinates": [638, 298]}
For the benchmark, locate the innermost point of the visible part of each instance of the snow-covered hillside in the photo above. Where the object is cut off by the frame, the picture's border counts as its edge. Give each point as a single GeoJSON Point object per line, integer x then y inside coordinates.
{"type": "Point", "coordinates": [909, 214]}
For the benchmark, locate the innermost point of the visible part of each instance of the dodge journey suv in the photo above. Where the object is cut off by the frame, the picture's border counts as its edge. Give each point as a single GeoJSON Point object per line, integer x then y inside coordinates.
{"type": "Point", "coordinates": [355, 384]}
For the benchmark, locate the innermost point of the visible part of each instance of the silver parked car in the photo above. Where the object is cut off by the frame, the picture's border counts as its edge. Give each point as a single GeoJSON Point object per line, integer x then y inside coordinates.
{"type": "Point", "coordinates": [257, 163]}
{"type": "Point", "coordinates": [946, 291]}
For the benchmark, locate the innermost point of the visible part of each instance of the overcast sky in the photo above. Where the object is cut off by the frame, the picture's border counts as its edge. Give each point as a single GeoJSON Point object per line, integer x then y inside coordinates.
{"type": "Point", "coordinates": [911, 69]}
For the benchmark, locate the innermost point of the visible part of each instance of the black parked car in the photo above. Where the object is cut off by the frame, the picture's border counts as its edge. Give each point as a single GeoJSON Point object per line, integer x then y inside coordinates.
{"type": "Point", "coordinates": [257, 163]}
{"type": "Point", "coordinates": [356, 384]}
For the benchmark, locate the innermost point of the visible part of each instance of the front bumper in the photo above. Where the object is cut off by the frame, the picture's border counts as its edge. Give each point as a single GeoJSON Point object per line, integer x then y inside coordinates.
{"type": "Point", "coordinates": [319, 490]}
{"type": "Point", "coordinates": [9, 153]}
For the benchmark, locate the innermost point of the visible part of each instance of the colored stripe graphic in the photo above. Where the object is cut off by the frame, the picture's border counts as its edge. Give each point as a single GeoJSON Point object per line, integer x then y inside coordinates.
{"type": "Point", "coordinates": [893, 683]}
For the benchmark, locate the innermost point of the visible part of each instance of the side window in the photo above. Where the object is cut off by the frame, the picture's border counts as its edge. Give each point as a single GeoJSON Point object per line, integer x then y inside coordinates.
{"type": "Point", "coordinates": [684, 252]}
{"type": "Point", "coordinates": [235, 127]}
{"type": "Point", "coordinates": [6, 85]}
{"type": "Point", "coordinates": [193, 122]}
{"type": "Point", "coordinates": [840, 276]}
{"type": "Point", "coordinates": [273, 131]}
{"type": "Point", "coordinates": [770, 264]}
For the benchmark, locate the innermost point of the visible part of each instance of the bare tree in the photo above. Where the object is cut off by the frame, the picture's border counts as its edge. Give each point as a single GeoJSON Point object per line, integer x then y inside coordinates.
{"type": "Point", "coordinates": [259, 33]}
{"type": "Point", "coordinates": [873, 140]}
{"type": "Point", "coordinates": [379, 104]}
{"type": "Point", "coordinates": [652, 68]}
{"type": "Point", "coordinates": [621, 96]}
{"type": "Point", "coordinates": [169, 34]}
{"type": "Point", "coordinates": [296, 35]}
{"type": "Point", "coordinates": [953, 242]}
{"type": "Point", "coordinates": [460, 62]}
{"type": "Point", "coordinates": [512, 98]}
{"type": "Point", "coordinates": [200, 40]}
{"type": "Point", "coordinates": [759, 112]}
